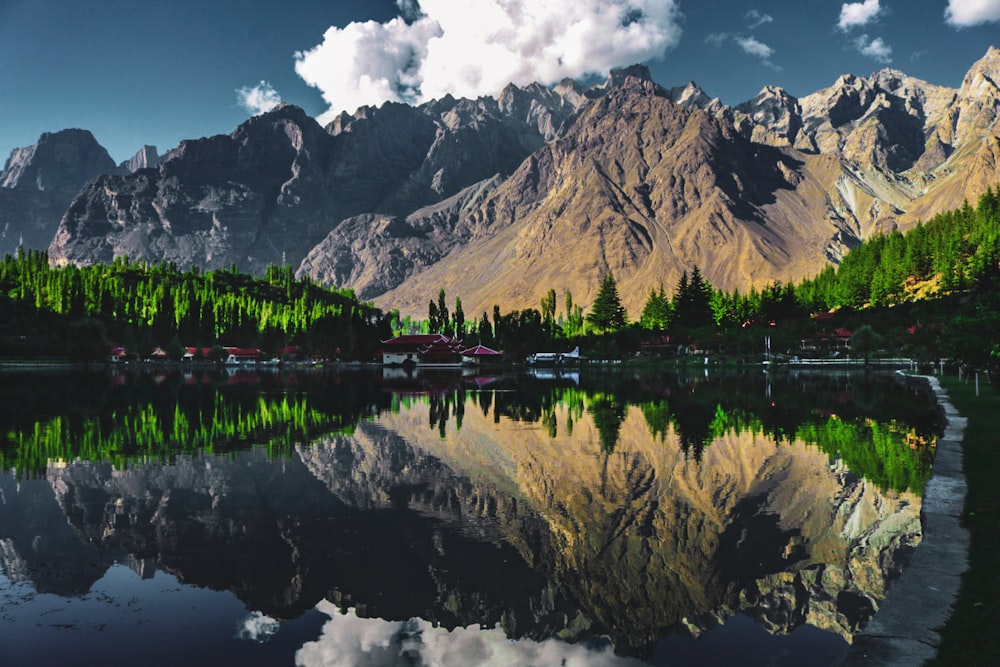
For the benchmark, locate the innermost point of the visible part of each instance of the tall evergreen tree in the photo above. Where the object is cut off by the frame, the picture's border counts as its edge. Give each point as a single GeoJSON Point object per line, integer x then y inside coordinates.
{"type": "Point", "coordinates": [458, 328]}
{"type": "Point", "coordinates": [656, 311]}
{"type": "Point", "coordinates": [607, 313]}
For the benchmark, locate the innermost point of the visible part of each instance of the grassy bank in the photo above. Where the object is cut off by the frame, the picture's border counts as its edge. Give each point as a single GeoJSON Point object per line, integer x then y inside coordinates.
{"type": "Point", "coordinates": [971, 637]}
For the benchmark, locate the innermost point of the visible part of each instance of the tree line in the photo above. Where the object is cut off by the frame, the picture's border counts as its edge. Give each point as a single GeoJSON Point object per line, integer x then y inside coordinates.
{"type": "Point", "coordinates": [81, 310]}
{"type": "Point", "coordinates": [939, 283]}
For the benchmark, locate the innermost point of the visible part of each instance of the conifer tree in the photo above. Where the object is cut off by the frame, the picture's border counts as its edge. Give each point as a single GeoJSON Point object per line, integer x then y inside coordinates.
{"type": "Point", "coordinates": [607, 313]}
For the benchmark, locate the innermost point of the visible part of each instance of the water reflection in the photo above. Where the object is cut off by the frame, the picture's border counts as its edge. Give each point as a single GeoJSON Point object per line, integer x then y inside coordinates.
{"type": "Point", "coordinates": [629, 506]}
{"type": "Point", "coordinates": [348, 639]}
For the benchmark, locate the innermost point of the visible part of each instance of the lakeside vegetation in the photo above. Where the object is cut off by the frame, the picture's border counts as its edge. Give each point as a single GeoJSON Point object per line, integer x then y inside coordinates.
{"type": "Point", "coordinates": [79, 312]}
{"type": "Point", "coordinates": [139, 418]}
{"type": "Point", "coordinates": [929, 294]}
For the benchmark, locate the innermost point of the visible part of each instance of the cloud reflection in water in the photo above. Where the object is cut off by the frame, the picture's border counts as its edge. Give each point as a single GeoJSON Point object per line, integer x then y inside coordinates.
{"type": "Point", "coordinates": [348, 639]}
{"type": "Point", "coordinates": [257, 627]}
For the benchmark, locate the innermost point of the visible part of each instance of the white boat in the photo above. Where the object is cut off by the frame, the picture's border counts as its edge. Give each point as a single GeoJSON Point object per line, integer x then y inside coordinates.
{"type": "Point", "coordinates": [555, 357]}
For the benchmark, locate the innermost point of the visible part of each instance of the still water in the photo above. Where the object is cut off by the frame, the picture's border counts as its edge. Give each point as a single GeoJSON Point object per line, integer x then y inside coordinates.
{"type": "Point", "coordinates": [613, 519]}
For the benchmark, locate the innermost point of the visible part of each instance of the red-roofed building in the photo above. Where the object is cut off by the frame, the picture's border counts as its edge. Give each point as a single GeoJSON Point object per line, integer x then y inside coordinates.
{"type": "Point", "coordinates": [190, 353]}
{"type": "Point", "coordinates": [421, 350]}
{"type": "Point", "coordinates": [239, 355]}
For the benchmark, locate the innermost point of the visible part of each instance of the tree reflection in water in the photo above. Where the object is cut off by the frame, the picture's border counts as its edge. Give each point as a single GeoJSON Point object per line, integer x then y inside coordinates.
{"type": "Point", "coordinates": [626, 505]}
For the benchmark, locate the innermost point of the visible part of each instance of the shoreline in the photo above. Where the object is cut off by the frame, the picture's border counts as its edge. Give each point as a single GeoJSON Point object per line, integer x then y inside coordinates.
{"type": "Point", "coordinates": [906, 629]}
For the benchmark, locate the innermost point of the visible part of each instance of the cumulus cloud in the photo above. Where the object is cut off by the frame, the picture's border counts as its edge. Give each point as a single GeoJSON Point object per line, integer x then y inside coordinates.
{"type": "Point", "coordinates": [964, 13]}
{"type": "Point", "coordinates": [858, 13]}
{"type": "Point", "coordinates": [477, 47]}
{"type": "Point", "coordinates": [756, 19]}
{"type": "Point", "coordinates": [755, 48]}
{"type": "Point", "coordinates": [349, 640]}
{"type": "Point", "coordinates": [258, 99]}
{"type": "Point", "coordinates": [876, 49]}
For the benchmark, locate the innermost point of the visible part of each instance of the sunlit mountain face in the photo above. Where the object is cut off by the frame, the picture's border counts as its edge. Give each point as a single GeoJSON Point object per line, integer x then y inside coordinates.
{"type": "Point", "coordinates": [434, 515]}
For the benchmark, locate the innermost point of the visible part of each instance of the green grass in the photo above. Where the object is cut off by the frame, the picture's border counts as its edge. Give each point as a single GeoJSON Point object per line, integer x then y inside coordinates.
{"type": "Point", "coordinates": [971, 636]}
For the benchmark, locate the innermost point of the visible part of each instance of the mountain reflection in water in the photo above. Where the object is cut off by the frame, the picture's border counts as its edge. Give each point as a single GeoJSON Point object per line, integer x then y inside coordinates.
{"type": "Point", "coordinates": [631, 507]}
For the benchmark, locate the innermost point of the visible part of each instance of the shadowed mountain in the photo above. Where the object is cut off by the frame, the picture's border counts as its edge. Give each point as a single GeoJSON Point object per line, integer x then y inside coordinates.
{"type": "Point", "coordinates": [38, 183]}
{"type": "Point", "coordinates": [500, 200]}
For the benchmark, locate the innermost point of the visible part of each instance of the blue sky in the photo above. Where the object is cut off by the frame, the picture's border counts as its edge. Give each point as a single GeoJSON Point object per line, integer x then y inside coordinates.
{"type": "Point", "coordinates": [145, 71]}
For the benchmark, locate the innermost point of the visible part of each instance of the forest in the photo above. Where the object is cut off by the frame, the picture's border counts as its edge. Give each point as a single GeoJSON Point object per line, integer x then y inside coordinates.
{"type": "Point", "coordinates": [933, 292]}
{"type": "Point", "coordinates": [80, 312]}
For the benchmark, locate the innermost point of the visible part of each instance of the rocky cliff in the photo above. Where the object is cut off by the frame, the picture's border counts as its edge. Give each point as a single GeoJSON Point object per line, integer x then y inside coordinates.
{"type": "Point", "coordinates": [38, 183]}
{"type": "Point", "coordinates": [500, 200]}
{"type": "Point", "coordinates": [547, 533]}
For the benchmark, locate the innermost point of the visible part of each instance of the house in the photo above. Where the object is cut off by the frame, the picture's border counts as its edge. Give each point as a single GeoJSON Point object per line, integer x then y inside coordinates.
{"type": "Point", "coordinates": [191, 354]}
{"type": "Point", "coordinates": [838, 339]}
{"type": "Point", "coordinates": [239, 355]}
{"type": "Point", "coordinates": [118, 355]}
{"type": "Point", "coordinates": [665, 346]}
{"type": "Point", "coordinates": [421, 350]}
{"type": "Point", "coordinates": [480, 354]}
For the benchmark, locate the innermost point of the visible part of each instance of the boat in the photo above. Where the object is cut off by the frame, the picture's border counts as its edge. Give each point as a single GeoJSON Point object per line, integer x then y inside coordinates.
{"type": "Point", "coordinates": [550, 358]}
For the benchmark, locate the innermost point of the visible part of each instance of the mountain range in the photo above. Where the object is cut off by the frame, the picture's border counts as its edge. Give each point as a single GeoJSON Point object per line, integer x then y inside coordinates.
{"type": "Point", "coordinates": [498, 200]}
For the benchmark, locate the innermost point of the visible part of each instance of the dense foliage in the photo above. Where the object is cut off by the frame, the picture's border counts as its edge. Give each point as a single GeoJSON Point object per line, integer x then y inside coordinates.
{"type": "Point", "coordinates": [157, 418]}
{"type": "Point", "coordinates": [144, 417]}
{"type": "Point", "coordinates": [80, 311]}
{"type": "Point", "coordinates": [931, 293]}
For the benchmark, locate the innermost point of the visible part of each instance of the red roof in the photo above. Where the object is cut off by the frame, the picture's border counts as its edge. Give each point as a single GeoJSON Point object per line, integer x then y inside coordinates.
{"type": "Point", "coordinates": [243, 352]}
{"type": "Point", "coordinates": [417, 339]}
{"type": "Point", "coordinates": [480, 351]}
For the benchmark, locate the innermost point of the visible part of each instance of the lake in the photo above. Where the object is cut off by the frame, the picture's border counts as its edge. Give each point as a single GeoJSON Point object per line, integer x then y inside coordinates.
{"type": "Point", "coordinates": [596, 517]}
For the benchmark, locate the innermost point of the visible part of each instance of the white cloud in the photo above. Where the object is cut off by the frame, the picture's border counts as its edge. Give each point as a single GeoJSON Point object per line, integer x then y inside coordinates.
{"type": "Point", "coordinates": [755, 48]}
{"type": "Point", "coordinates": [756, 19]}
{"type": "Point", "coordinates": [876, 49]}
{"type": "Point", "coordinates": [476, 47]}
{"type": "Point", "coordinates": [258, 99]}
{"type": "Point", "coordinates": [350, 640]}
{"type": "Point", "coordinates": [257, 627]}
{"type": "Point", "coordinates": [758, 49]}
{"type": "Point", "coordinates": [717, 39]}
{"type": "Point", "coordinates": [964, 13]}
{"type": "Point", "coordinates": [748, 45]}
{"type": "Point", "coordinates": [858, 13]}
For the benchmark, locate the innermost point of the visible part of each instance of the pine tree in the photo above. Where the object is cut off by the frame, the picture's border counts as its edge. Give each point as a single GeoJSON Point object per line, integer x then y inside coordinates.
{"type": "Point", "coordinates": [656, 311]}
{"type": "Point", "coordinates": [607, 313]}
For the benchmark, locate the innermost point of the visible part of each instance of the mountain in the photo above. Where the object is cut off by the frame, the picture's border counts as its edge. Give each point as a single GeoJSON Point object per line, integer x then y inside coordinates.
{"type": "Point", "coordinates": [38, 183]}
{"type": "Point", "coordinates": [497, 200]}
{"type": "Point", "coordinates": [145, 158]}
{"type": "Point", "coordinates": [565, 533]}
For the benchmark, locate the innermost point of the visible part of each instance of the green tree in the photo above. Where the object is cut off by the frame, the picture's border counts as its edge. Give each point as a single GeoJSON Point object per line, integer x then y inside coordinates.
{"type": "Point", "coordinates": [459, 321]}
{"type": "Point", "coordinates": [174, 349]}
{"type": "Point", "coordinates": [444, 317]}
{"type": "Point", "coordinates": [864, 342]}
{"type": "Point", "coordinates": [656, 311]}
{"type": "Point", "coordinates": [607, 313]}
{"type": "Point", "coordinates": [549, 309]}
{"type": "Point", "coordinates": [88, 340]}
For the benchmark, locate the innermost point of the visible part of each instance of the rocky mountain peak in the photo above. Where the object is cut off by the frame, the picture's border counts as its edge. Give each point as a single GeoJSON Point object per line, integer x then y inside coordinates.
{"type": "Point", "coordinates": [619, 77]}
{"type": "Point", "coordinates": [983, 78]}
{"type": "Point", "coordinates": [38, 182]}
{"type": "Point", "coordinates": [889, 79]}
{"type": "Point", "coordinates": [60, 161]}
{"type": "Point", "coordinates": [145, 158]}
{"type": "Point", "coordinates": [692, 95]}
